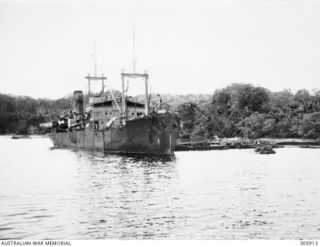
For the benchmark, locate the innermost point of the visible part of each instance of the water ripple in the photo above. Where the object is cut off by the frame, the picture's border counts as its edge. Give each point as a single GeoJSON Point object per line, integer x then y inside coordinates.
{"type": "Point", "coordinates": [234, 194]}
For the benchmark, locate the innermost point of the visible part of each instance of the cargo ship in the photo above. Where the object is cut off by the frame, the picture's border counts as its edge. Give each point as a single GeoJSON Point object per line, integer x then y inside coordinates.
{"type": "Point", "coordinates": [116, 123]}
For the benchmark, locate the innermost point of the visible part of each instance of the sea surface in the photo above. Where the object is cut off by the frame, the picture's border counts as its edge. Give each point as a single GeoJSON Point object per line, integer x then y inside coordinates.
{"type": "Point", "coordinates": [50, 193]}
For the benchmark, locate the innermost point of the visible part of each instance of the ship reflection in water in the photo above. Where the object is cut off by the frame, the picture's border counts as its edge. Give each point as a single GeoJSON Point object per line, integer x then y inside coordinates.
{"type": "Point", "coordinates": [233, 194]}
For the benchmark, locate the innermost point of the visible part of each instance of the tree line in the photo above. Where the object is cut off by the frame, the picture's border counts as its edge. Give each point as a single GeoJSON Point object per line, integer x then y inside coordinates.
{"type": "Point", "coordinates": [22, 115]}
{"type": "Point", "coordinates": [244, 110]}
{"type": "Point", "coordinates": [241, 110]}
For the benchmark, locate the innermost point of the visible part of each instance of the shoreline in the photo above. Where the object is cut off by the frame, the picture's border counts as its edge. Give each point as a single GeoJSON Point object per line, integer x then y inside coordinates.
{"type": "Point", "coordinates": [242, 143]}
{"type": "Point", "coordinates": [230, 143]}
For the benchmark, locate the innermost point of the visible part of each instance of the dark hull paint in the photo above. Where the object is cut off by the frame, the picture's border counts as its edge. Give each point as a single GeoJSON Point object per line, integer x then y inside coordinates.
{"type": "Point", "coordinates": [149, 135]}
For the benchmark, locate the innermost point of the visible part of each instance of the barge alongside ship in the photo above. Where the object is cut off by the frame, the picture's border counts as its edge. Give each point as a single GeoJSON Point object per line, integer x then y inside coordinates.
{"type": "Point", "coordinates": [116, 124]}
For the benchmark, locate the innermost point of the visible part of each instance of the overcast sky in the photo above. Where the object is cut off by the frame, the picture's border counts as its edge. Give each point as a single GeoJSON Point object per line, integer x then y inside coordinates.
{"type": "Point", "coordinates": [195, 46]}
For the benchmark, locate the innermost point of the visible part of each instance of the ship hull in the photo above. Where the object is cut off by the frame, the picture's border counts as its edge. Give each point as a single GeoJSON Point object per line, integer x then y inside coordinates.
{"type": "Point", "coordinates": [148, 135]}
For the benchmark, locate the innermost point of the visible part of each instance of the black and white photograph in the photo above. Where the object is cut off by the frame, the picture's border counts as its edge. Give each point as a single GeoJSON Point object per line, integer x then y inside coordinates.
{"type": "Point", "coordinates": [159, 120]}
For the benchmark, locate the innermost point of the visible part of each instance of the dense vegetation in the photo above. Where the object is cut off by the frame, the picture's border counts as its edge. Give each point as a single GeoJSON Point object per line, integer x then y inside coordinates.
{"type": "Point", "coordinates": [23, 115]}
{"type": "Point", "coordinates": [253, 112]}
{"type": "Point", "coordinates": [237, 110]}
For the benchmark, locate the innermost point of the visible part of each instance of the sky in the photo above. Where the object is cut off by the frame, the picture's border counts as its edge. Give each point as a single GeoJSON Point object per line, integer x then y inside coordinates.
{"type": "Point", "coordinates": [47, 47]}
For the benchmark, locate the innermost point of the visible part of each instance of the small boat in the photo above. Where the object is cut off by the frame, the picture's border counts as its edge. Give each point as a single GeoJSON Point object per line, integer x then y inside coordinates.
{"type": "Point", "coordinates": [20, 136]}
{"type": "Point", "coordinates": [265, 149]}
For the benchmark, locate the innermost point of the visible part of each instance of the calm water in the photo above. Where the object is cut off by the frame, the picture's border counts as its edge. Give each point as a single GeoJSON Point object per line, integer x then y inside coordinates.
{"type": "Point", "coordinates": [235, 194]}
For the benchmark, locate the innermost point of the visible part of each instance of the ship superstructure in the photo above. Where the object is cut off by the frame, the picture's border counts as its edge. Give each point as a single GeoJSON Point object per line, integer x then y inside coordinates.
{"type": "Point", "coordinates": [115, 123]}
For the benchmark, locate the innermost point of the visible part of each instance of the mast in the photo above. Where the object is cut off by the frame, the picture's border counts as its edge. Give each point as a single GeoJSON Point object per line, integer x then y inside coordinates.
{"type": "Point", "coordinates": [95, 60]}
{"type": "Point", "coordinates": [101, 78]}
{"type": "Point", "coordinates": [134, 75]}
{"type": "Point", "coordinates": [134, 61]}
{"type": "Point", "coordinates": [144, 76]}
{"type": "Point", "coordinates": [90, 78]}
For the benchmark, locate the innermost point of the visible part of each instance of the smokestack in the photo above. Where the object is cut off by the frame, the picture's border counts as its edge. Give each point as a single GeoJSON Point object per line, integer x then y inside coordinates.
{"type": "Point", "coordinates": [78, 102]}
